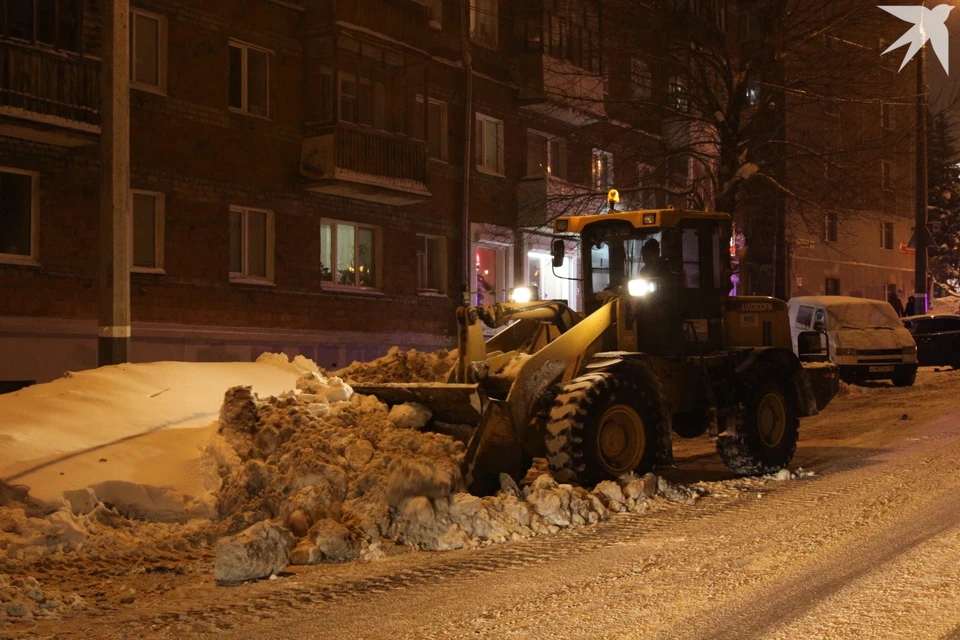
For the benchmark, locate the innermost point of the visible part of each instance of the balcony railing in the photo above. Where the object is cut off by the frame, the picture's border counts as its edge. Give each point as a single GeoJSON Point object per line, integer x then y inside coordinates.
{"type": "Point", "coordinates": [380, 155]}
{"type": "Point", "coordinates": [49, 83]}
{"type": "Point", "coordinates": [365, 164]}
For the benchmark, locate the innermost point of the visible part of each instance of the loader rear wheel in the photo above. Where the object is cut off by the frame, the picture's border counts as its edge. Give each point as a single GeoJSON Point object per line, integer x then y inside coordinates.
{"type": "Point", "coordinates": [767, 428]}
{"type": "Point", "coordinates": [603, 425]}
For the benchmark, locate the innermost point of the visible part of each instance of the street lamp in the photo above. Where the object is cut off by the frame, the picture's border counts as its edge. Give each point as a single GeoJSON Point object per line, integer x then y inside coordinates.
{"type": "Point", "coordinates": [921, 305]}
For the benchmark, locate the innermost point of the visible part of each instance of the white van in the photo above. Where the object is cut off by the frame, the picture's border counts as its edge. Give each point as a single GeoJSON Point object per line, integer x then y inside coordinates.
{"type": "Point", "coordinates": [865, 338]}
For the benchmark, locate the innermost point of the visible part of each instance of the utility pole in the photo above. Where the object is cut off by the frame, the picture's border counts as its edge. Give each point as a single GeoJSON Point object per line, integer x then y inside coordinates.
{"type": "Point", "coordinates": [468, 263]}
{"type": "Point", "coordinates": [114, 326]}
{"type": "Point", "coordinates": [920, 224]}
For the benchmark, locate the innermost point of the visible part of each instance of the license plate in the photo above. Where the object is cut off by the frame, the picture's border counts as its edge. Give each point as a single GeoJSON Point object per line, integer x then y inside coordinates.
{"type": "Point", "coordinates": [880, 369]}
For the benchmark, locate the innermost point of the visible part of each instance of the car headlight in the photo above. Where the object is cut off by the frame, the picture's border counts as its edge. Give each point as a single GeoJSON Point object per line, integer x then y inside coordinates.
{"type": "Point", "coordinates": [846, 352]}
{"type": "Point", "coordinates": [640, 287]}
{"type": "Point", "coordinates": [522, 294]}
{"type": "Point", "coordinates": [563, 225]}
{"type": "Point", "coordinates": [909, 351]}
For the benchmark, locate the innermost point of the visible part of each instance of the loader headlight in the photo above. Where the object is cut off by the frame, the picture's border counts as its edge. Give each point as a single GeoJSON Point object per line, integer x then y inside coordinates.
{"type": "Point", "coordinates": [522, 294]}
{"type": "Point", "coordinates": [563, 225]}
{"type": "Point", "coordinates": [640, 287]}
{"type": "Point", "coordinates": [649, 218]}
{"type": "Point", "coordinates": [910, 351]}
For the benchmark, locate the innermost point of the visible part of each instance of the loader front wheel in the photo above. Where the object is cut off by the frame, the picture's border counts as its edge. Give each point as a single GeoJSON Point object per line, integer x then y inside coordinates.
{"type": "Point", "coordinates": [767, 427]}
{"type": "Point", "coordinates": [601, 426]}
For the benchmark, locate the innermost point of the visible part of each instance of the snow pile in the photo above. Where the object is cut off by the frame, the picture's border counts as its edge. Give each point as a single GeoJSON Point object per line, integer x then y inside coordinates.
{"type": "Point", "coordinates": [400, 366]}
{"type": "Point", "coordinates": [463, 521]}
{"type": "Point", "coordinates": [22, 598]}
{"type": "Point", "coordinates": [327, 464]}
{"type": "Point", "coordinates": [342, 473]}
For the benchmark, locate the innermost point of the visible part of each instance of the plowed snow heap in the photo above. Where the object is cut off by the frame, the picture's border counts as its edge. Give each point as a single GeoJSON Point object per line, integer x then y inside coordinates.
{"type": "Point", "coordinates": [340, 471]}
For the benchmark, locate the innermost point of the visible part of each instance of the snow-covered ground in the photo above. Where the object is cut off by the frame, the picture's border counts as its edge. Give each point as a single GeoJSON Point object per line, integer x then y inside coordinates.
{"type": "Point", "coordinates": [327, 475]}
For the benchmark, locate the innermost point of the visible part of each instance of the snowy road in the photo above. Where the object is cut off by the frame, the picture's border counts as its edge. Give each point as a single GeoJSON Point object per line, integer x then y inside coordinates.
{"type": "Point", "coordinates": [868, 548]}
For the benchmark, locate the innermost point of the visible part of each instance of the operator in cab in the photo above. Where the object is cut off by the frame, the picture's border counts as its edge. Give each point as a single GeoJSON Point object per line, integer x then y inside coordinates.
{"type": "Point", "coordinates": [654, 266]}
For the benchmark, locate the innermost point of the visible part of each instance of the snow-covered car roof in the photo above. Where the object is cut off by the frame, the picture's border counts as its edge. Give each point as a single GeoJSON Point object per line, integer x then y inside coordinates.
{"type": "Point", "coordinates": [929, 316]}
{"type": "Point", "coordinates": [826, 301]}
{"type": "Point", "coordinates": [854, 313]}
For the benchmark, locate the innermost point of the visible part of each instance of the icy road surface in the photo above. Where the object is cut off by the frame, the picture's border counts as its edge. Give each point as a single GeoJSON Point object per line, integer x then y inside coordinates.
{"type": "Point", "coordinates": [868, 548]}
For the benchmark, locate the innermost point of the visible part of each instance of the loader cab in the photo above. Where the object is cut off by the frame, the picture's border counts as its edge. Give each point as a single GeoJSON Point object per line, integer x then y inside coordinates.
{"type": "Point", "coordinates": [674, 309]}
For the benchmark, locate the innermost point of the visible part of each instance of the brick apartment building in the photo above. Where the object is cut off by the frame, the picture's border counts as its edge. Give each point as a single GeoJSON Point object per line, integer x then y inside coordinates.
{"type": "Point", "coordinates": [297, 168]}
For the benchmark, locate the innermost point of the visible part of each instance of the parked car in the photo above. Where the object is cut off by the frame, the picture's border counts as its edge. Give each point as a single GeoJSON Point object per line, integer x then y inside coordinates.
{"type": "Point", "coordinates": [865, 338]}
{"type": "Point", "coordinates": [937, 338]}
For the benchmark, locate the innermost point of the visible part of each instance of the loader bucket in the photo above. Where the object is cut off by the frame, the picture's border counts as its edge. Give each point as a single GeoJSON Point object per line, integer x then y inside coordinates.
{"type": "Point", "coordinates": [493, 449]}
{"type": "Point", "coordinates": [452, 403]}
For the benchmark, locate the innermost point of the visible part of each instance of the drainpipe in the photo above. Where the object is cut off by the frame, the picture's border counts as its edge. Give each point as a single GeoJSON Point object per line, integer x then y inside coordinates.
{"type": "Point", "coordinates": [468, 263]}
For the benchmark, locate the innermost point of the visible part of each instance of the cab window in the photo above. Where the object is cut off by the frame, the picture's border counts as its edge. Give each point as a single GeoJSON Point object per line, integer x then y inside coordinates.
{"type": "Point", "coordinates": [820, 318]}
{"type": "Point", "coordinates": [804, 316]}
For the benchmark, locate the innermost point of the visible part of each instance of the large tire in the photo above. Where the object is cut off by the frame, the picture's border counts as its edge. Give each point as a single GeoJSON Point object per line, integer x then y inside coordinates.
{"type": "Point", "coordinates": [905, 380]}
{"type": "Point", "coordinates": [603, 425]}
{"type": "Point", "coordinates": [768, 426]}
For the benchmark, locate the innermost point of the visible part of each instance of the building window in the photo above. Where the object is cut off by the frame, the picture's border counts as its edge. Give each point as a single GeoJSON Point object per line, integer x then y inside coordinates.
{"type": "Point", "coordinates": [249, 79]}
{"type": "Point", "coordinates": [641, 79]}
{"type": "Point", "coordinates": [51, 23]}
{"type": "Point", "coordinates": [886, 176]}
{"type": "Point", "coordinates": [886, 235]}
{"type": "Point", "coordinates": [488, 144]}
{"type": "Point", "coordinates": [546, 155]}
{"type": "Point", "coordinates": [830, 227]}
{"type": "Point", "coordinates": [19, 202]}
{"type": "Point", "coordinates": [148, 47]}
{"type": "Point", "coordinates": [832, 286]}
{"type": "Point", "coordinates": [437, 129]}
{"type": "Point", "coordinates": [886, 115]}
{"type": "Point", "coordinates": [830, 107]}
{"type": "Point", "coordinates": [431, 264]}
{"type": "Point", "coordinates": [436, 14]}
{"type": "Point", "coordinates": [483, 22]}
{"type": "Point", "coordinates": [348, 255]}
{"type": "Point", "coordinates": [602, 170]}
{"type": "Point", "coordinates": [146, 253]}
{"type": "Point", "coordinates": [677, 96]}
{"type": "Point", "coordinates": [251, 245]}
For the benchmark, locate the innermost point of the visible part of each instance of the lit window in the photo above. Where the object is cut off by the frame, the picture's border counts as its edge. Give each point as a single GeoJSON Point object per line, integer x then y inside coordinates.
{"type": "Point", "coordinates": [677, 94]}
{"type": "Point", "coordinates": [602, 170]}
{"type": "Point", "coordinates": [546, 155]}
{"type": "Point", "coordinates": [348, 255]}
{"type": "Point", "coordinates": [249, 79]}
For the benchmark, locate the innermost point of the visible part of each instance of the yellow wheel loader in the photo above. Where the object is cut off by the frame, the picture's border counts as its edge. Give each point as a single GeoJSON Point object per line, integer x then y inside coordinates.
{"type": "Point", "coordinates": [662, 347]}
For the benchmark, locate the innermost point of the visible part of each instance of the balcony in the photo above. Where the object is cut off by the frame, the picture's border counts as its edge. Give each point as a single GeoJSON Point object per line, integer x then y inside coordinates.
{"type": "Point", "coordinates": [365, 165]}
{"type": "Point", "coordinates": [561, 90]}
{"type": "Point", "coordinates": [540, 199]}
{"type": "Point", "coordinates": [47, 96]}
